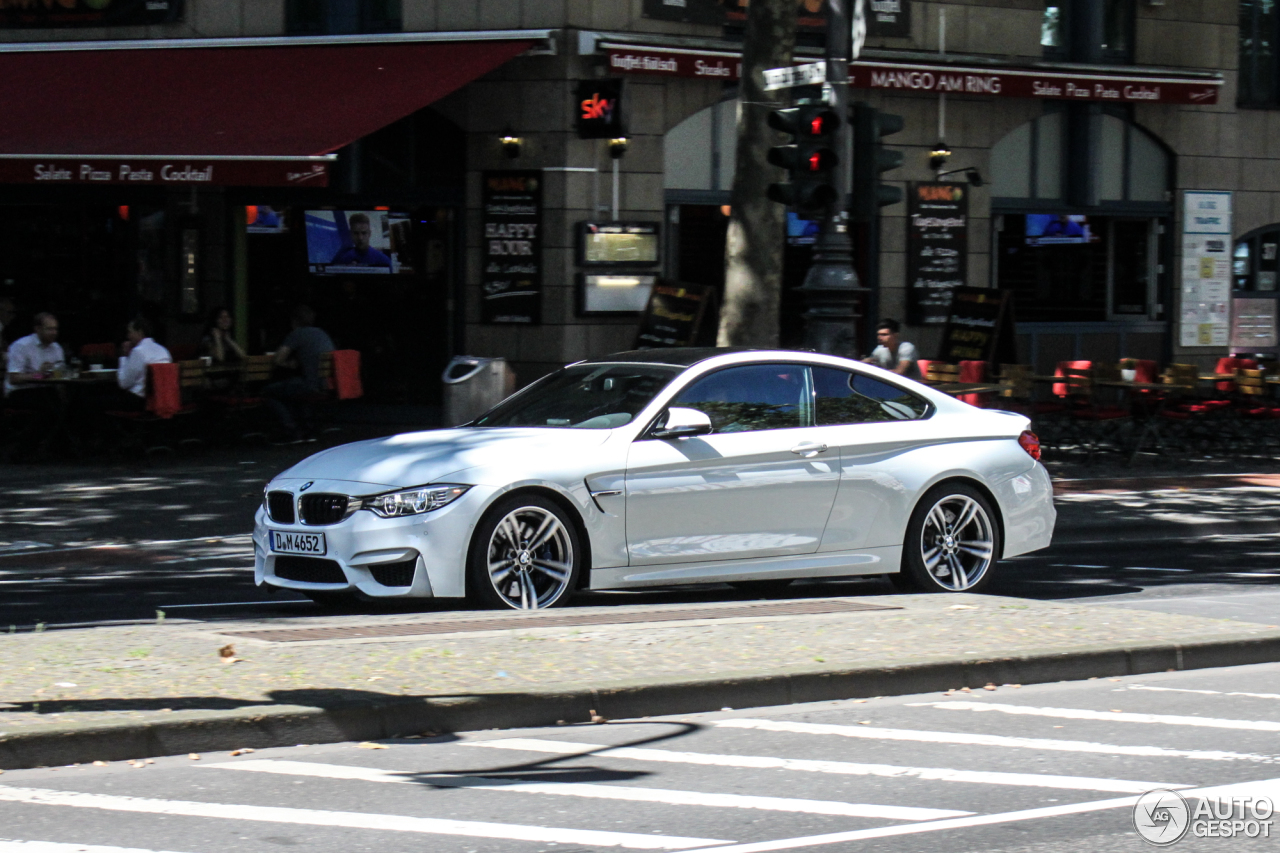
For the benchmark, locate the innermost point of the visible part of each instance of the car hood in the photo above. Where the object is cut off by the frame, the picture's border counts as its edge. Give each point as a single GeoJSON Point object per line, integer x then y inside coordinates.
{"type": "Point", "coordinates": [418, 458]}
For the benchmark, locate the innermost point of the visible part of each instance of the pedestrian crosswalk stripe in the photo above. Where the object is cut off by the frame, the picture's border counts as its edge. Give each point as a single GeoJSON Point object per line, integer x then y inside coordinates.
{"type": "Point", "coordinates": [1264, 788]}
{"type": "Point", "coordinates": [760, 762]}
{"type": "Point", "coordinates": [9, 845]}
{"type": "Point", "coordinates": [601, 792]}
{"type": "Point", "coordinates": [967, 739]}
{"type": "Point", "coordinates": [1108, 716]}
{"type": "Point", "coordinates": [353, 820]}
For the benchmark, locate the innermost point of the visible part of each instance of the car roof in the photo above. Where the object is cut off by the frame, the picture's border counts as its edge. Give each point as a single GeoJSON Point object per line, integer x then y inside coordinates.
{"type": "Point", "coordinates": [676, 356]}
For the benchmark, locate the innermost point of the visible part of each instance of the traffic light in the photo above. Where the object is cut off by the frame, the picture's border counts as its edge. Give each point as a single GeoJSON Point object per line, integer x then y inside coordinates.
{"type": "Point", "coordinates": [810, 159]}
{"type": "Point", "coordinates": [870, 158]}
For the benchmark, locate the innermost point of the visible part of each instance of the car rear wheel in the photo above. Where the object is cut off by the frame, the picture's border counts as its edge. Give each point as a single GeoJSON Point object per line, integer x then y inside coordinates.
{"type": "Point", "coordinates": [952, 542]}
{"type": "Point", "coordinates": [525, 555]}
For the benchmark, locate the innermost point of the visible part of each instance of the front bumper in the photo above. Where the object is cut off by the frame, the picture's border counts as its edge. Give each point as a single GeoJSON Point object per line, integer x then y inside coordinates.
{"type": "Point", "coordinates": [436, 541]}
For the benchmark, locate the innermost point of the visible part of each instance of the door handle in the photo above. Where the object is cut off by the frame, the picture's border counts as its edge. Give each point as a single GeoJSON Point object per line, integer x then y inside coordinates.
{"type": "Point", "coordinates": [809, 448]}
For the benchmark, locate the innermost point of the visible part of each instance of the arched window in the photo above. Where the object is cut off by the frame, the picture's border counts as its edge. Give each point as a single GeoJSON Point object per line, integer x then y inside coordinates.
{"type": "Point", "coordinates": [1030, 162]}
{"type": "Point", "coordinates": [698, 153]}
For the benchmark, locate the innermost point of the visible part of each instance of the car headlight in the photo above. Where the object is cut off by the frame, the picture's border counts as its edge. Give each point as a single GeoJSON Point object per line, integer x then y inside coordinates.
{"type": "Point", "coordinates": [414, 501]}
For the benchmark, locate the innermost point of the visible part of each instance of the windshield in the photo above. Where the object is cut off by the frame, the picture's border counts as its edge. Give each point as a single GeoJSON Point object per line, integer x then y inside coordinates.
{"type": "Point", "coordinates": [585, 396]}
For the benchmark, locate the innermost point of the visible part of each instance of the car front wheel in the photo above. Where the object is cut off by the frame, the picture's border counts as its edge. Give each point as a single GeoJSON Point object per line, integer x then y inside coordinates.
{"type": "Point", "coordinates": [952, 541]}
{"type": "Point", "coordinates": [525, 555]}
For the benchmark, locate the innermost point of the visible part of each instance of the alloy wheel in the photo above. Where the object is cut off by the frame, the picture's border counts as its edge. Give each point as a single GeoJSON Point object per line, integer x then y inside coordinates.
{"type": "Point", "coordinates": [530, 558]}
{"type": "Point", "coordinates": [957, 543]}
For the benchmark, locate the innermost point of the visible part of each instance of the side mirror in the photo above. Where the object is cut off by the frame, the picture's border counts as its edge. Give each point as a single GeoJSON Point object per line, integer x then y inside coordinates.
{"type": "Point", "coordinates": [683, 423]}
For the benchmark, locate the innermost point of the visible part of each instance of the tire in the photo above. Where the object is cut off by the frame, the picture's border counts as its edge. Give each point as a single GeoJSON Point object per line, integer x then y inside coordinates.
{"type": "Point", "coordinates": [937, 555]}
{"type": "Point", "coordinates": [773, 588]}
{"type": "Point", "coordinates": [506, 573]}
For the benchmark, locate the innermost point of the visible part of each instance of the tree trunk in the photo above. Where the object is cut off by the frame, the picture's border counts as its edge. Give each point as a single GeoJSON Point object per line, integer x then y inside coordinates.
{"type": "Point", "coordinates": [753, 248]}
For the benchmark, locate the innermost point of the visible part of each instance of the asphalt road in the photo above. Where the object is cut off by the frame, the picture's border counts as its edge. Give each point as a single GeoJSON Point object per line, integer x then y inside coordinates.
{"type": "Point", "coordinates": [1044, 768]}
{"type": "Point", "coordinates": [207, 578]}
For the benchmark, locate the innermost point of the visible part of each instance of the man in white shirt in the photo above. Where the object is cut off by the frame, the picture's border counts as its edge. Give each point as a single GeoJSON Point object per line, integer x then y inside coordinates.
{"type": "Point", "coordinates": [894, 354]}
{"type": "Point", "coordinates": [29, 359]}
{"type": "Point", "coordinates": [140, 349]}
{"type": "Point", "coordinates": [34, 356]}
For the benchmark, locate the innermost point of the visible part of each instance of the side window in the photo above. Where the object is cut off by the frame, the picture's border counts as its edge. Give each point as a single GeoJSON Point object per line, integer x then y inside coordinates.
{"type": "Point", "coordinates": [751, 397]}
{"type": "Point", "coordinates": [851, 398]}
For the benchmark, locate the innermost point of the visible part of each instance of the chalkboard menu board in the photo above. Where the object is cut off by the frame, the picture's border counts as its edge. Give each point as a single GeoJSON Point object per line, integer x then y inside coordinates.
{"type": "Point", "coordinates": [979, 327]}
{"type": "Point", "coordinates": [678, 315]}
{"type": "Point", "coordinates": [937, 249]}
{"type": "Point", "coordinates": [511, 245]}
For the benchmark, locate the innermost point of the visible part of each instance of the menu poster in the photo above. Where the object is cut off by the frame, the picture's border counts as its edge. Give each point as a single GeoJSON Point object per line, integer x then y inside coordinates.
{"type": "Point", "coordinates": [88, 13]}
{"type": "Point", "coordinates": [980, 327]}
{"type": "Point", "coordinates": [1205, 310]}
{"type": "Point", "coordinates": [676, 316]}
{"type": "Point", "coordinates": [1253, 324]}
{"type": "Point", "coordinates": [937, 249]}
{"type": "Point", "coordinates": [511, 245]}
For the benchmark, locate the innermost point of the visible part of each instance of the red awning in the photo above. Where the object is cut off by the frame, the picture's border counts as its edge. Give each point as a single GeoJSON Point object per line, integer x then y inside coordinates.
{"type": "Point", "coordinates": [198, 104]}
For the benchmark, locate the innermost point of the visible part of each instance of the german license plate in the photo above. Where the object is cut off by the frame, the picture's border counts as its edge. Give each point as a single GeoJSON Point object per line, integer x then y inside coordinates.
{"type": "Point", "coordinates": [297, 543]}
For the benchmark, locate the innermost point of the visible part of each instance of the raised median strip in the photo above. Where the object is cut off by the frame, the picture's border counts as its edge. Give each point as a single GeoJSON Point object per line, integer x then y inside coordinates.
{"type": "Point", "coordinates": [141, 691]}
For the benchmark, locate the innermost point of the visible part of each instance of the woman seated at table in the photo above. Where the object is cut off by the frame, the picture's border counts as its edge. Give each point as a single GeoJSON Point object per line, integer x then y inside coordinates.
{"type": "Point", "coordinates": [217, 343]}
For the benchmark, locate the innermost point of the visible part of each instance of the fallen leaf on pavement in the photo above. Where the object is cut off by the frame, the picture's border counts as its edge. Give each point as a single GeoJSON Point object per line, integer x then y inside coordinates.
{"type": "Point", "coordinates": [990, 685]}
{"type": "Point", "coordinates": [228, 653]}
{"type": "Point", "coordinates": [965, 690]}
{"type": "Point", "coordinates": [194, 757]}
{"type": "Point", "coordinates": [244, 751]}
{"type": "Point", "coordinates": [371, 745]}
{"type": "Point", "coordinates": [99, 764]}
{"type": "Point", "coordinates": [858, 701]}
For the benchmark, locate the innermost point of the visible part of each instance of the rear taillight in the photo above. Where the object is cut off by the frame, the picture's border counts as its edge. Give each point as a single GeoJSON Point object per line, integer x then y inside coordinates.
{"type": "Point", "coordinates": [1031, 443]}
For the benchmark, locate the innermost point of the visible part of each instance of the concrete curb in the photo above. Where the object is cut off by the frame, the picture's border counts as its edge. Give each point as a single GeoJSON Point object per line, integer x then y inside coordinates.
{"type": "Point", "coordinates": [1146, 531]}
{"type": "Point", "coordinates": [282, 725]}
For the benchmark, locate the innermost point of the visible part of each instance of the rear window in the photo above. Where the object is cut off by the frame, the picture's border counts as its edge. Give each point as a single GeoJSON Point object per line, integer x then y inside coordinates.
{"type": "Point", "coordinates": [844, 397]}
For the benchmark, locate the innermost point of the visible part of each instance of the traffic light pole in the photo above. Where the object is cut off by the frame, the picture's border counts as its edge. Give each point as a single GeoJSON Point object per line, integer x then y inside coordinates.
{"type": "Point", "coordinates": [830, 288]}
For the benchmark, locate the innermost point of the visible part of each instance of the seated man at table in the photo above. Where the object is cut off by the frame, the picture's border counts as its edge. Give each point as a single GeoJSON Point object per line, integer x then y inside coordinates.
{"type": "Point", "coordinates": [894, 354]}
{"type": "Point", "coordinates": [35, 356]}
{"type": "Point", "coordinates": [139, 349]}
{"type": "Point", "coordinates": [31, 359]}
{"type": "Point", "coordinates": [300, 353]}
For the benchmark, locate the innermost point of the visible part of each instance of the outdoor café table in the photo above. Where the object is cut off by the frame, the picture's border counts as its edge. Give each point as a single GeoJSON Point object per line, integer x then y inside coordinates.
{"type": "Point", "coordinates": [1147, 417]}
{"type": "Point", "coordinates": [66, 388]}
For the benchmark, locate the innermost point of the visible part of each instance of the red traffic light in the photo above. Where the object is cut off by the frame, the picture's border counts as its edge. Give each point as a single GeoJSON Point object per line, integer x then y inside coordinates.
{"type": "Point", "coordinates": [807, 159]}
{"type": "Point", "coordinates": [810, 121]}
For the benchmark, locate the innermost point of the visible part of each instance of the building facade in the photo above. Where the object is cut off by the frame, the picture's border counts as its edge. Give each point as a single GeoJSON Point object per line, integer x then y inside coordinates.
{"type": "Point", "coordinates": [232, 152]}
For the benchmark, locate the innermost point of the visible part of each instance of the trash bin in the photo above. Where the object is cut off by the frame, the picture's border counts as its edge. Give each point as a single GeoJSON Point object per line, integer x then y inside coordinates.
{"type": "Point", "coordinates": [473, 385]}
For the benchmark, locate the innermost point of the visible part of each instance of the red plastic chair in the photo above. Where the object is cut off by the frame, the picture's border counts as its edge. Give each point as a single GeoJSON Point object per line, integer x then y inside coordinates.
{"type": "Point", "coordinates": [1062, 389]}
{"type": "Point", "coordinates": [923, 364]}
{"type": "Point", "coordinates": [346, 374]}
{"type": "Point", "coordinates": [1146, 371]}
{"type": "Point", "coordinates": [1230, 364]}
{"type": "Point", "coordinates": [974, 371]}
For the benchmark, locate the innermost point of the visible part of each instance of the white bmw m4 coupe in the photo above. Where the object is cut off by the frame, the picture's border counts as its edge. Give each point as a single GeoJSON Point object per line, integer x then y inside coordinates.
{"type": "Point", "coordinates": [664, 467]}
